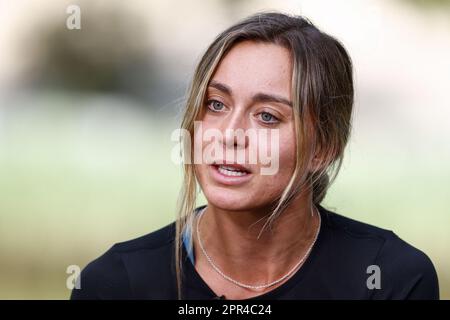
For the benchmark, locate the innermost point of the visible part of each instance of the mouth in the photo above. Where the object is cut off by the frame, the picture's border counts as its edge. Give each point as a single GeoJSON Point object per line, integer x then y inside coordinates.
{"type": "Point", "coordinates": [230, 174]}
{"type": "Point", "coordinates": [232, 170]}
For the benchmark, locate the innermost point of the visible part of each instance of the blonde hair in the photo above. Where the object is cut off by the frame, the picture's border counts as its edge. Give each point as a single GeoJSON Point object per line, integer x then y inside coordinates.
{"type": "Point", "coordinates": [322, 96]}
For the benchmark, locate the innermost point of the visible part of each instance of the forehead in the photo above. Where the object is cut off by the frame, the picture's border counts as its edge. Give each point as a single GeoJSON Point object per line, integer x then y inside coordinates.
{"type": "Point", "coordinates": [253, 66]}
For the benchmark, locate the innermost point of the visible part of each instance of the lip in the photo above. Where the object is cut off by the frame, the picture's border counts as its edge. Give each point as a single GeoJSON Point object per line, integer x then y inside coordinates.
{"type": "Point", "coordinates": [229, 180]}
{"type": "Point", "coordinates": [233, 165]}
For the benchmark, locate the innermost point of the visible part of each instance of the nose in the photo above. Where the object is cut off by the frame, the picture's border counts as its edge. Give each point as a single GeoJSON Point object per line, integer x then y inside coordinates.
{"type": "Point", "coordinates": [233, 130]}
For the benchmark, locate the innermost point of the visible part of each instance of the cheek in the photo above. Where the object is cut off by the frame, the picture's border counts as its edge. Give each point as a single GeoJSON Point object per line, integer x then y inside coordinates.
{"type": "Point", "coordinates": [287, 154]}
{"type": "Point", "coordinates": [271, 186]}
{"type": "Point", "coordinates": [288, 146]}
{"type": "Point", "coordinates": [203, 150]}
{"type": "Point", "coordinates": [205, 133]}
{"type": "Point", "coordinates": [279, 148]}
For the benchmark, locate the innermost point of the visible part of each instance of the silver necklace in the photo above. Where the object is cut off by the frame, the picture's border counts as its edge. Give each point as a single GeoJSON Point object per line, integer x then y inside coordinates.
{"type": "Point", "coordinates": [248, 286]}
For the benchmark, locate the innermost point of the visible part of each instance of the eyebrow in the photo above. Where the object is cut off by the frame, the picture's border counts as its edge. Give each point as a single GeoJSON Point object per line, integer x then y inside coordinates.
{"type": "Point", "coordinates": [259, 97]}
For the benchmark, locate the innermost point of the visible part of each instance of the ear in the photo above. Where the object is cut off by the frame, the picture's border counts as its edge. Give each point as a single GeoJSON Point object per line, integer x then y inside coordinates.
{"type": "Point", "coordinates": [315, 163]}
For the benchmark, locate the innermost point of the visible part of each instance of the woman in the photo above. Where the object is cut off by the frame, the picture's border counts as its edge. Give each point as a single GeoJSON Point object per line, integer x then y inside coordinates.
{"type": "Point", "coordinates": [264, 234]}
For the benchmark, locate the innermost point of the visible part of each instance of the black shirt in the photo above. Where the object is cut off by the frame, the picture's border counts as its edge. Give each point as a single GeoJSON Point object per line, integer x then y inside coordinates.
{"type": "Point", "coordinates": [338, 267]}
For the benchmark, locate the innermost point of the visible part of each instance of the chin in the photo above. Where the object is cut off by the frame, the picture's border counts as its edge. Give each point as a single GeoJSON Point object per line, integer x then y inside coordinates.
{"type": "Point", "coordinates": [226, 199]}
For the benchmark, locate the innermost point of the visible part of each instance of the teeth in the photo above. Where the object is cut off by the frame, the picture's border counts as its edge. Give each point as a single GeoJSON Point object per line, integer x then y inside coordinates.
{"type": "Point", "coordinates": [229, 168]}
{"type": "Point", "coordinates": [231, 171]}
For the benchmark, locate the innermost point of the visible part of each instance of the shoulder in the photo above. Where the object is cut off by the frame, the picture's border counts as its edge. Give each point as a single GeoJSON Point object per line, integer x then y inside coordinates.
{"type": "Point", "coordinates": [151, 241]}
{"type": "Point", "coordinates": [353, 228]}
{"type": "Point", "coordinates": [118, 273]}
{"type": "Point", "coordinates": [406, 272]}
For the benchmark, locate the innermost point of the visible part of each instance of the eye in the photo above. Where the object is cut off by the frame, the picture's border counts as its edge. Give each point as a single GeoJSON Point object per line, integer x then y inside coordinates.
{"type": "Point", "coordinates": [215, 106]}
{"type": "Point", "coordinates": [269, 118]}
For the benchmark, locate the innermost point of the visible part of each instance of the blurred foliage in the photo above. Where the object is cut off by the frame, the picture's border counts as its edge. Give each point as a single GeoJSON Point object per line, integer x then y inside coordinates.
{"type": "Point", "coordinates": [111, 53]}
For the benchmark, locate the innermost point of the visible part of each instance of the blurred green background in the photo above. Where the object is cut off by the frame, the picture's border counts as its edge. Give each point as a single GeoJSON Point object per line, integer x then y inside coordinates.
{"type": "Point", "coordinates": [86, 118]}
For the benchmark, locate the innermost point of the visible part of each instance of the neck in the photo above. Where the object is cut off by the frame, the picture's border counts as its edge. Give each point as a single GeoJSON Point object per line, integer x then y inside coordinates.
{"type": "Point", "coordinates": [231, 240]}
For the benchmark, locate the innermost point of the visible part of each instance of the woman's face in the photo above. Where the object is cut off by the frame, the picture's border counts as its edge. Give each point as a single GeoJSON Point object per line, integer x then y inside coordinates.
{"type": "Point", "coordinates": [250, 91]}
